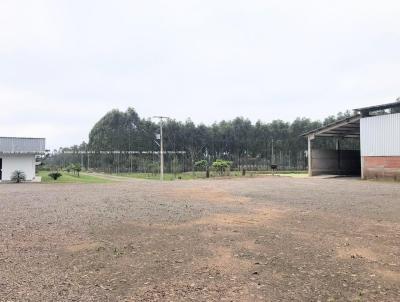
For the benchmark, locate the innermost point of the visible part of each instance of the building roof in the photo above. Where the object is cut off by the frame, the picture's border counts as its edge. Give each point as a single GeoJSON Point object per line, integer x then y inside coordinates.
{"type": "Point", "coordinates": [348, 127]}
{"type": "Point", "coordinates": [22, 145]}
{"type": "Point", "coordinates": [365, 111]}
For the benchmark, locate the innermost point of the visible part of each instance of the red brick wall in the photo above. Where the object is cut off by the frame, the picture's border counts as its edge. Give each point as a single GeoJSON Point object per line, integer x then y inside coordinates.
{"type": "Point", "coordinates": [381, 167]}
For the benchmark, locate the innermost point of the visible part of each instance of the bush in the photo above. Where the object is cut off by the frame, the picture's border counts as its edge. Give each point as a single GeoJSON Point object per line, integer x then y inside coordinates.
{"type": "Point", "coordinates": [221, 165]}
{"type": "Point", "coordinates": [55, 175]}
{"type": "Point", "coordinates": [77, 168]}
{"type": "Point", "coordinates": [69, 168]}
{"type": "Point", "coordinates": [152, 168]}
{"type": "Point", "coordinates": [18, 176]}
{"type": "Point", "coordinates": [201, 164]}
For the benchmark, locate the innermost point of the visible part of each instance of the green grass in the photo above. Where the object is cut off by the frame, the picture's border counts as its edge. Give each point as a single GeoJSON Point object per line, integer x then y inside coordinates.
{"type": "Point", "coordinates": [197, 175]}
{"type": "Point", "coordinates": [71, 178]}
{"type": "Point", "coordinates": [167, 176]}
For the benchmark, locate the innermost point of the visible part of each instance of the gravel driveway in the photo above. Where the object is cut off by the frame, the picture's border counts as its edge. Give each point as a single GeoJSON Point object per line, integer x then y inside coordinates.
{"type": "Point", "coordinates": [253, 239]}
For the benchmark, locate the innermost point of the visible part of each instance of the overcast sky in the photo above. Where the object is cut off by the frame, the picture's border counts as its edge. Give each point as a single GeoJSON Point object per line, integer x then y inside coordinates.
{"type": "Point", "coordinates": [64, 64]}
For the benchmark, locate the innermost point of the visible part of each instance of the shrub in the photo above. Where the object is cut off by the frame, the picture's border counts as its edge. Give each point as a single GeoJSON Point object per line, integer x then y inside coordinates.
{"type": "Point", "coordinates": [55, 175]}
{"type": "Point", "coordinates": [69, 168]}
{"type": "Point", "coordinates": [221, 165]}
{"type": "Point", "coordinates": [18, 176]}
{"type": "Point", "coordinates": [152, 168]}
{"type": "Point", "coordinates": [201, 164]}
{"type": "Point", "coordinates": [77, 168]}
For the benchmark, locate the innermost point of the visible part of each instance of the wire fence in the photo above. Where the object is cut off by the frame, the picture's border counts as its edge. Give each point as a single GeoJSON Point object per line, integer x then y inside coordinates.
{"type": "Point", "coordinates": [117, 162]}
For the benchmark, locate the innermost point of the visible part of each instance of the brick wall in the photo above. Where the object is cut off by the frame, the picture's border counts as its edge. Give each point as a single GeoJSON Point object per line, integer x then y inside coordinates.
{"type": "Point", "coordinates": [387, 167]}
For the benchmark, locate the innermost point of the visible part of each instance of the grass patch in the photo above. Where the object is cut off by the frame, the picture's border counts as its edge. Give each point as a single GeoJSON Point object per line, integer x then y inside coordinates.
{"type": "Point", "coordinates": [71, 178]}
{"type": "Point", "coordinates": [213, 174]}
{"type": "Point", "coordinates": [167, 176]}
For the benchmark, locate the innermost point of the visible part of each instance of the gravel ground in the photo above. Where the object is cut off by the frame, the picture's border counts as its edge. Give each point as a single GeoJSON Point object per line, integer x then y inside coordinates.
{"type": "Point", "coordinates": [253, 239]}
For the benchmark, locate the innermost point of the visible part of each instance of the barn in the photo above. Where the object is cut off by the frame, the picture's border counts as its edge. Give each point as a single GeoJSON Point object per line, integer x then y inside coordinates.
{"type": "Point", "coordinates": [19, 153]}
{"type": "Point", "coordinates": [377, 130]}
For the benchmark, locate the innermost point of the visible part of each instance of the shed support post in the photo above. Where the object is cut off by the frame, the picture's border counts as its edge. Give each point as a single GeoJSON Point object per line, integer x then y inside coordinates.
{"type": "Point", "coordinates": [309, 154]}
{"type": "Point", "coordinates": [338, 154]}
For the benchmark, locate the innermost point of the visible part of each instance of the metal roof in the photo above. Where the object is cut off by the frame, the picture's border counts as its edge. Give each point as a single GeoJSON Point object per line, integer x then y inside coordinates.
{"type": "Point", "coordinates": [365, 111]}
{"type": "Point", "coordinates": [22, 145]}
{"type": "Point", "coordinates": [348, 127]}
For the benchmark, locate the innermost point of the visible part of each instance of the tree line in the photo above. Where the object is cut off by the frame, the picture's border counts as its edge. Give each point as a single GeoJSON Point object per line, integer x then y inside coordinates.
{"type": "Point", "coordinates": [239, 140]}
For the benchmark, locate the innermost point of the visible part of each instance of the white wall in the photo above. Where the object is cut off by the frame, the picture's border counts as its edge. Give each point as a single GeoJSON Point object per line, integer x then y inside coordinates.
{"type": "Point", "coordinates": [23, 162]}
{"type": "Point", "coordinates": [380, 135]}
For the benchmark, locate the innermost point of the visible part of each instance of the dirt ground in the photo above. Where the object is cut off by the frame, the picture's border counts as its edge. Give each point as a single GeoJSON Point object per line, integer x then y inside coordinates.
{"type": "Point", "coordinates": [254, 239]}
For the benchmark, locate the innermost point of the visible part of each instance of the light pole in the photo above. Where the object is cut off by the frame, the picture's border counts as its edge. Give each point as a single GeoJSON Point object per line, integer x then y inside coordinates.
{"type": "Point", "coordinates": [161, 118]}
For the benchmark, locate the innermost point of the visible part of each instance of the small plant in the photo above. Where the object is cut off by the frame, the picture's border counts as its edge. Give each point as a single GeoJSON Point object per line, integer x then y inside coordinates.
{"type": "Point", "coordinates": [18, 176]}
{"type": "Point", "coordinates": [69, 168]}
{"type": "Point", "coordinates": [77, 168]}
{"type": "Point", "coordinates": [55, 175]}
{"type": "Point", "coordinates": [221, 166]}
{"type": "Point", "coordinates": [203, 166]}
{"type": "Point", "coordinates": [152, 168]}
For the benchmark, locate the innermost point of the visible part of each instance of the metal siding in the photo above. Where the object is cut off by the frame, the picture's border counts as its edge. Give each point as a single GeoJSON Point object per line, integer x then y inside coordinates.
{"type": "Point", "coordinates": [21, 145]}
{"type": "Point", "coordinates": [380, 135]}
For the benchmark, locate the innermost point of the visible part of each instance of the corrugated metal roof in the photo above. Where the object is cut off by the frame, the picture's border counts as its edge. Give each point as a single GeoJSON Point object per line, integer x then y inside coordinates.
{"type": "Point", "coordinates": [380, 135]}
{"type": "Point", "coordinates": [347, 127]}
{"type": "Point", "coordinates": [22, 145]}
{"type": "Point", "coordinates": [379, 107]}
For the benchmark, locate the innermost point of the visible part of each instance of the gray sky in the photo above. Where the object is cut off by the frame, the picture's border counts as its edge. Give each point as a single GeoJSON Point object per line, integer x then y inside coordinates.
{"type": "Point", "coordinates": [64, 64]}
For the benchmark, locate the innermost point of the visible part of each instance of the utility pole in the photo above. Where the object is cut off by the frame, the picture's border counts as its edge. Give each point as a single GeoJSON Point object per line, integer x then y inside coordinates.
{"type": "Point", "coordinates": [272, 153]}
{"type": "Point", "coordinates": [161, 118]}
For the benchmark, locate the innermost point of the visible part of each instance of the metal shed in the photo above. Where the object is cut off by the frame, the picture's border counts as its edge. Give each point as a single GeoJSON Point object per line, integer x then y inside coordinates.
{"type": "Point", "coordinates": [377, 128]}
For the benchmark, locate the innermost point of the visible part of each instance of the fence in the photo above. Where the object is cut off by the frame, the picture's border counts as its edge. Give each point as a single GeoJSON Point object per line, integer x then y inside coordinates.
{"type": "Point", "coordinates": [174, 161]}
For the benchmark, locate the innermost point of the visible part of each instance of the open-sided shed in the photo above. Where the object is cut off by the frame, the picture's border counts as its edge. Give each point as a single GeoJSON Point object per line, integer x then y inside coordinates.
{"type": "Point", "coordinates": [378, 130]}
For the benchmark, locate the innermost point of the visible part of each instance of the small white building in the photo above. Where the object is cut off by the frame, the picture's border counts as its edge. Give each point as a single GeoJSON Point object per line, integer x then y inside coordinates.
{"type": "Point", "coordinates": [19, 153]}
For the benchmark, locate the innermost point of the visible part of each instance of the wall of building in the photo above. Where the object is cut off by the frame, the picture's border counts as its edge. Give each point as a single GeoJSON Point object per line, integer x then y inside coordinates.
{"type": "Point", "coordinates": [335, 162]}
{"type": "Point", "coordinates": [25, 163]}
{"type": "Point", "coordinates": [381, 167]}
{"type": "Point", "coordinates": [380, 146]}
{"type": "Point", "coordinates": [380, 135]}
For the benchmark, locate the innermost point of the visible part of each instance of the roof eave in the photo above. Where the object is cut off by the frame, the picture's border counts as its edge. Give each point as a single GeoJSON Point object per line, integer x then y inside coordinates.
{"type": "Point", "coordinates": [333, 125]}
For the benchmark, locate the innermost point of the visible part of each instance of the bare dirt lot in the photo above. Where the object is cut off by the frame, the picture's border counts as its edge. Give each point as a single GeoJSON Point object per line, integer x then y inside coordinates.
{"type": "Point", "coordinates": [255, 239]}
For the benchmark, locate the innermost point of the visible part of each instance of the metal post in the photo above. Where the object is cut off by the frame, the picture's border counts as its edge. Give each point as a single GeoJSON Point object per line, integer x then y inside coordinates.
{"type": "Point", "coordinates": [161, 146]}
{"type": "Point", "coordinates": [161, 151]}
{"type": "Point", "coordinates": [272, 153]}
{"type": "Point", "coordinates": [309, 155]}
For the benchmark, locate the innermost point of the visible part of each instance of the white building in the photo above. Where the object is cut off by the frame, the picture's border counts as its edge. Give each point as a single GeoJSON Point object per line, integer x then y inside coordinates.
{"type": "Point", "coordinates": [18, 153]}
